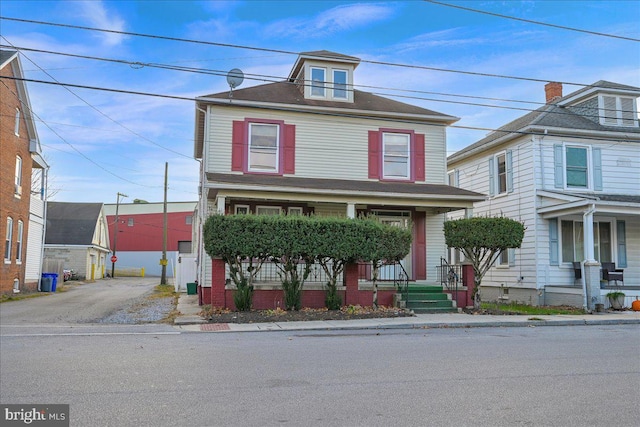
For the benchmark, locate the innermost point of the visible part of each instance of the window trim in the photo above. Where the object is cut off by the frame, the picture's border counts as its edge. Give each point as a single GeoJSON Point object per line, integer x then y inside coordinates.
{"type": "Point", "coordinates": [16, 129]}
{"type": "Point", "coordinates": [494, 173]}
{"type": "Point", "coordinates": [335, 86]}
{"type": "Point", "coordinates": [297, 209]}
{"type": "Point", "coordinates": [19, 242]}
{"type": "Point", "coordinates": [319, 86]}
{"type": "Point", "coordinates": [597, 243]}
{"type": "Point", "coordinates": [8, 241]}
{"type": "Point", "coordinates": [589, 166]}
{"type": "Point", "coordinates": [236, 208]}
{"type": "Point", "coordinates": [410, 150]}
{"type": "Point", "coordinates": [18, 178]}
{"type": "Point", "coordinates": [278, 148]}
{"type": "Point", "coordinates": [258, 207]}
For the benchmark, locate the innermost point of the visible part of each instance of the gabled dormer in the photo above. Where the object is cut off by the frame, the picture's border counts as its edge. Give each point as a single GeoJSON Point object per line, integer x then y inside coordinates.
{"type": "Point", "coordinates": [605, 103]}
{"type": "Point", "coordinates": [325, 76]}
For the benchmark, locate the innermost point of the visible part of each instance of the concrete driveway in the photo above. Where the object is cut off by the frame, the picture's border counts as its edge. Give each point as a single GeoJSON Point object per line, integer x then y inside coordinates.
{"type": "Point", "coordinates": [83, 303]}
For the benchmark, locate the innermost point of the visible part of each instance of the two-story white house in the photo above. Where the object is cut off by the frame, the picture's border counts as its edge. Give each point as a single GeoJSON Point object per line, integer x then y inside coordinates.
{"type": "Point", "coordinates": [314, 144]}
{"type": "Point", "coordinates": [570, 171]}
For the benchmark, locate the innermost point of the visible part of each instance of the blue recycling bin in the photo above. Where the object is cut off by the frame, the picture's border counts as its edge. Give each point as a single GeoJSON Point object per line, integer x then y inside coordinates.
{"type": "Point", "coordinates": [53, 277]}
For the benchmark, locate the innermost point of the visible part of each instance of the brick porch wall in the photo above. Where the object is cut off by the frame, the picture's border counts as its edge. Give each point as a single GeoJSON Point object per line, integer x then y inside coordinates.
{"type": "Point", "coordinates": [218, 296]}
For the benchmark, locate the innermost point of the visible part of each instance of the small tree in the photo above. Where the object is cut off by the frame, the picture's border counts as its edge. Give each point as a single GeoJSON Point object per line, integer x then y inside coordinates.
{"type": "Point", "coordinates": [238, 240]}
{"type": "Point", "coordinates": [384, 244]}
{"type": "Point", "coordinates": [291, 249]}
{"type": "Point", "coordinates": [339, 244]}
{"type": "Point", "coordinates": [482, 240]}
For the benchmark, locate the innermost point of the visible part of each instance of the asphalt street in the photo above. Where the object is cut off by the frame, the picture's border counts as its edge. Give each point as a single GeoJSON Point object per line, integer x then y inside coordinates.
{"type": "Point", "coordinates": [155, 375]}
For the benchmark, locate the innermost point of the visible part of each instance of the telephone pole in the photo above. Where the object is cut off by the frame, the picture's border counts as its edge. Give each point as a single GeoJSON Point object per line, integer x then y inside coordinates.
{"type": "Point", "coordinates": [163, 261]}
{"type": "Point", "coordinates": [115, 235]}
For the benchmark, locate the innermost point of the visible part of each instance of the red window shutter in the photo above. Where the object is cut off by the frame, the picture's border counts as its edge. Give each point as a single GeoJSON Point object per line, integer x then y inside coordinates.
{"type": "Point", "coordinates": [418, 157]}
{"type": "Point", "coordinates": [289, 149]}
{"type": "Point", "coordinates": [374, 154]}
{"type": "Point", "coordinates": [237, 146]}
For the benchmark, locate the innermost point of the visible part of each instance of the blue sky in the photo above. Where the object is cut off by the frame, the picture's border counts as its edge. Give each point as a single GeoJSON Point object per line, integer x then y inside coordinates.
{"type": "Point", "coordinates": [100, 142]}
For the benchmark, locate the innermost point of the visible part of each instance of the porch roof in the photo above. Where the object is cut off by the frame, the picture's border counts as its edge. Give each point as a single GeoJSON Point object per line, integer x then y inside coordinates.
{"type": "Point", "coordinates": [342, 191]}
{"type": "Point", "coordinates": [556, 203]}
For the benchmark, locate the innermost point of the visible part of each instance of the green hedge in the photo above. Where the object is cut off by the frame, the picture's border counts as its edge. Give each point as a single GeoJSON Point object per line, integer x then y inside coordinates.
{"type": "Point", "coordinates": [295, 243]}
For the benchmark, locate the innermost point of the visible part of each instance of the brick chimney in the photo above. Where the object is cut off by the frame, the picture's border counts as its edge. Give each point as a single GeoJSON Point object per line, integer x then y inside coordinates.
{"type": "Point", "coordinates": [553, 91]}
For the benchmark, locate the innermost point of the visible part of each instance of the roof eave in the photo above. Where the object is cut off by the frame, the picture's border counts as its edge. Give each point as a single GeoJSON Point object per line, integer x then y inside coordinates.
{"type": "Point", "coordinates": [446, 119]}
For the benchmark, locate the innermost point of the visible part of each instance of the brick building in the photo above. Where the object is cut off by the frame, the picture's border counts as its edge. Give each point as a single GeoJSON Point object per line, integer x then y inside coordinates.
{"type": "Point", "coordinates": [22, 182]}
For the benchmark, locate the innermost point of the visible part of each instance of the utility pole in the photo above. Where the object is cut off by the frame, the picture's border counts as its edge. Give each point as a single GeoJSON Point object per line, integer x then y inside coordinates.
{"type": "Point", "coordinates": [163, 261]}
{"type": "Point", "coordinates": [115, 236]}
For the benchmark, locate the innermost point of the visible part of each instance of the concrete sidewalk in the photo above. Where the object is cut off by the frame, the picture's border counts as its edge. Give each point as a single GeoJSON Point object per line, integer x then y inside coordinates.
{"type": "Point", "coordinates": [191, 321]}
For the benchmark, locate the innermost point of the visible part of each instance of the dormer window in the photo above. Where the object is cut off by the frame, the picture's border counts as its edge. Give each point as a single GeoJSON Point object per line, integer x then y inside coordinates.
{"type": "Point", "coordinates": [340, 84]}
{"type": "Point", "coordinates": [617, 111]}
{"type": "Point", "coordinates": [317, 81]}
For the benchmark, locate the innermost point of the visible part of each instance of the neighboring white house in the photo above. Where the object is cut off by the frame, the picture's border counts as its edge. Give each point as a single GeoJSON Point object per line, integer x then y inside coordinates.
{"type": "Point", "coordinates": [570, 172]}
{"type": "Point", "coordinates": [314, 144]}
{"type": "Point", "coordinates": [77, 238]}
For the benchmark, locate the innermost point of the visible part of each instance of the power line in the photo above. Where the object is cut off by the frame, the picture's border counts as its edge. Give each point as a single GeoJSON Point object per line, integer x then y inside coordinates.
{"type": "Point", "coordinates": [73, 147]}
{"type": "Point", "coordinates": [562, 27]}
{"type": "Point", "coordinates": [100, 112]}
{"type": "Point", "coordinates": [285, 52]}
{"type": "Point", "coordinates": [256, 77]}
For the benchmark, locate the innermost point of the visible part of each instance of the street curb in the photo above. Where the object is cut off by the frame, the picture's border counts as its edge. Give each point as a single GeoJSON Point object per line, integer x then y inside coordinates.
{"type": "Point", "coordinates": [436, 325]}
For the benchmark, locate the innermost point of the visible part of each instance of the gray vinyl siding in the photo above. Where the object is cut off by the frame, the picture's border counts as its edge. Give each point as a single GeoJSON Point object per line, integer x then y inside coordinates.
{"type": "Point", "coordinates": [518, 205]}
{"type": "Point", "coordinates": [620, 163]}
{"type": "Point", "coordinates": [326, 147]}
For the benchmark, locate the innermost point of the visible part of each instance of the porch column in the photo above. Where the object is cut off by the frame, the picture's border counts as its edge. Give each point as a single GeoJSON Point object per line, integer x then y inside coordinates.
{"type": "Point", "coordinates": [221, 201]}
{"type": "Point", "coordinates": [591, 266]}
{"type": "Point", "coordinates": [588, 234]}
{"type": "Point", "coordinates": [351, 210]}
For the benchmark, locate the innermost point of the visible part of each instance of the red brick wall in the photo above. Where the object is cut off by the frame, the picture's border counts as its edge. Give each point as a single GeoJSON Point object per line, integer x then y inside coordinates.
{"type": "Point", "coordinates": [11, 206]}
{"type": "Point", "coordinates": [146, 233]}
{"type": "Point", "coordinates": [218, 296]}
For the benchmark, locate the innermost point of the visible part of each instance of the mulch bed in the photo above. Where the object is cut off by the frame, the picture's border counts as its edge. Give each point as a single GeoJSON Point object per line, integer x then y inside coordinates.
{"type": "Point", "coordinates": [279, 315]}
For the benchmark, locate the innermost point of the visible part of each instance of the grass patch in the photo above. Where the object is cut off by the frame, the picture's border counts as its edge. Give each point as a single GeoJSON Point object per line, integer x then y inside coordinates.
{"type": "Point", "coordinates": [163, 291]}
{"type": "Point", "coordinates": [18, 297]}
{"type": "Point", "coordinates": [514, 308]}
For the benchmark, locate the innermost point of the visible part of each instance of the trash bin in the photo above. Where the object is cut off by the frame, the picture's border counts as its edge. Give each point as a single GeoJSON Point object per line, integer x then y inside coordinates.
{"type": "Point", "coordinates": [45, 283]}
{"type": "Point", "coordinates": [191, 288]}
{"type": "Point", "coordinates": [54, 281]}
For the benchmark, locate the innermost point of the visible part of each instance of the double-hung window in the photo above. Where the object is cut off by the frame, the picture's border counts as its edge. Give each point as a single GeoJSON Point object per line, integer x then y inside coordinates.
{"type": "Point", "coordinates": [397, 158]}
{"type": "Point", "coordinates": [317, 81]}
{"type": "Point", "coordinates": [18, 177]}
{"type": "Point", "coordinates": [17, 123]}
{"type": "Point", "coordinates": [500, 173]}
{"type": "Point", "coordinates": [263, 147]}
{"type": "Point", "coordinates": [19, 242]}
{"type": "Point", "coordinates": [572, 234]}
{"type": "Point", "coordinates": [7, 240]}
{"type": "Point", "coordinates": [576, 167]}
{"type": "Point", "coordinates": [340, 84]}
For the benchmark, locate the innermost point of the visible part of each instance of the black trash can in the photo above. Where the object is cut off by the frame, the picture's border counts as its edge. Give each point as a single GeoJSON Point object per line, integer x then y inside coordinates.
{"type": "Point", "coordinates": [45, 283]}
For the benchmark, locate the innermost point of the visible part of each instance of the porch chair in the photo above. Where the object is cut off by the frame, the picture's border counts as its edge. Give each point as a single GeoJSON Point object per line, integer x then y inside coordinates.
{"type": "Point", "coordinates": [577, 270]}
{"type": "Point", "coordinates": [610, 272]}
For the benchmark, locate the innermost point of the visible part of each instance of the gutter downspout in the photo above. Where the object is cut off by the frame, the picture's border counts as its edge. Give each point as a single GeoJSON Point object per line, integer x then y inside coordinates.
{"type": "Point", "coordinates": [202, 208]}
{"type": "Point", "coordinates": [44, 195]}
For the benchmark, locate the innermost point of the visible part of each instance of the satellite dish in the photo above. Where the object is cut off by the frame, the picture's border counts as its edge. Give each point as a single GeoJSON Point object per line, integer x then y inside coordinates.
{"type": "Point", "coordinates": [235, 78]}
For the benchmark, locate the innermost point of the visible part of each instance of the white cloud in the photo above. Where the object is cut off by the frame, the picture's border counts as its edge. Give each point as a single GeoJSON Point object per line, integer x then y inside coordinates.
{"type": "Point", "coordinates": [335, 20]}
{"type": "Point", "coordinates": [97, 15]}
